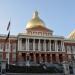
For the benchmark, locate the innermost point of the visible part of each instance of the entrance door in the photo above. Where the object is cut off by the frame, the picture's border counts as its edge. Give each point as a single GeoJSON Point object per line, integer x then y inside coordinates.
{"type": "Point", "coordinates": [24, 56]}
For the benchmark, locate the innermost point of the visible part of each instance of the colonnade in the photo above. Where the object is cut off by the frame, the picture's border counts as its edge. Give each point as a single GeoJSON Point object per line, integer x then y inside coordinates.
{"type": "Point", "coordinates": [40, 45]}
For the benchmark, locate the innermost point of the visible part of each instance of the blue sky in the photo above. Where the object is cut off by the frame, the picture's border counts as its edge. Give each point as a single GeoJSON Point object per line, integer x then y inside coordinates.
{"type": "Point", "coordinates": [58, 15]}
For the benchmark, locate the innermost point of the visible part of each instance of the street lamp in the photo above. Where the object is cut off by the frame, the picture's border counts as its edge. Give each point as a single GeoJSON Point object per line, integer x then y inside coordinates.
{"type": "Point", "coordinates": [66, 67]}
{"type": "Point", "coordinates": [3, 67]}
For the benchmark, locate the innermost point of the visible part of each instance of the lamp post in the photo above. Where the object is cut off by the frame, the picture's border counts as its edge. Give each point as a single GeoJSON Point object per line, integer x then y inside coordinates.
{"type": "Point", "coordinates": [73, 64]}
{"type": "Point", "coordinates": [73, 60]}
{"type": "Point", "coordinates": [3, 67]}
{"type": "Point", "coordinates": [66, 67]}
{"type": "Point", "coordinates": [74, 68]}
{"type": "Point", "coordinates": [27, 60]}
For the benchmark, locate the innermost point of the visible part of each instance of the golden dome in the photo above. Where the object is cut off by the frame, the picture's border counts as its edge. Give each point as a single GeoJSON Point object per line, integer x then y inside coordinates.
{"type": "Point", "coordinates": [72, 35]}
{"type": "Point", "coordinates": [35, 21]}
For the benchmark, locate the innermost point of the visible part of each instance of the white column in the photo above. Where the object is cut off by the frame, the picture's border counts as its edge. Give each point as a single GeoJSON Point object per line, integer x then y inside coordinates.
{"type": "Point", "coordinates": [62, 45]}
{"type": "Point", "coordinates": [57, 57]}
{"type": "Point", "coordinates": [20, 44]}
{"type": "Point", "coordinates": [34, 57]}
{"type": "Point", "coordinates": [39, 45]}
{"type": "Point", "coordinates": [51, 60]}
{"type": "Point", "coordinates": [56, 45]}
{"type": "Point", "coordinates": [40, 58]}
{"type": "Point", "coordinates": [44, 45]}
{"type": "Point", "coordinates": [50, 45]}
{"type": "Point", "coordinates": [26, 44]}
{"type": "Point", "coordinates": [33, 44]}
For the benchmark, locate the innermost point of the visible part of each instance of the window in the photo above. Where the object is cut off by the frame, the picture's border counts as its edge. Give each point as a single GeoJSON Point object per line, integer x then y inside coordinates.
{"type": "Point", "coordinates": [34, 33]}
{"type": "Point", "coordinates": [7, 46]}
{"type": "Point", "coordinates": [36, 44]}
{"type": "Point", "coordinates": [65, 47]}
{"type": "Point", "coordinates": [13, 45]}
{"type": "Point", "coordinates": [39, 33]}
{"type": "Point", "coordinates": [30, 44]}
{"type": "Point", "coordinates": [42, 45]}
{"type": "Point", "coordinates": [14, 57]}
{"type": "Point", "coordinates": [2, 45]}
{"type": "Point", "coordinates": [47, 45]}
{"type": "Point", "coordinates": [69, 49]}
{"type": "Point", "coordinates": [69, 57]}
{"type": "Point", "coordinates": [59, 46]}
{"type": "Point", "coordinates": [73, 49]}
{"type": "Point", "coordinates": [23, 44]}
{"type": "Point", "coordinates": [52, 45]}
{"type": "Point", "coordinates": [44, 34]}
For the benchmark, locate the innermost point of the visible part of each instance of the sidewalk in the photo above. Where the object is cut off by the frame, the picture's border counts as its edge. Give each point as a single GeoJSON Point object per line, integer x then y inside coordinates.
{"type": "Point", "coordinates": [33, 74]}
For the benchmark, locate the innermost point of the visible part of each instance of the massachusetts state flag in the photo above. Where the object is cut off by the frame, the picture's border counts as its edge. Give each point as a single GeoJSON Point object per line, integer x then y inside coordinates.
{"type": "Point", "coordinates": [8, 26]}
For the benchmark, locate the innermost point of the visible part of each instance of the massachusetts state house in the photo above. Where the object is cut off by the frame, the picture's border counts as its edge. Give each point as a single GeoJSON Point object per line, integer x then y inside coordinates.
{"type": "Point", "coordinates": [38, 45]}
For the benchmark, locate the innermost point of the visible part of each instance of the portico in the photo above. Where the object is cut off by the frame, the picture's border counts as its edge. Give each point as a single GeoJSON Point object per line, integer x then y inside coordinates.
{"type": "Point", "coordinates": [41, 50]}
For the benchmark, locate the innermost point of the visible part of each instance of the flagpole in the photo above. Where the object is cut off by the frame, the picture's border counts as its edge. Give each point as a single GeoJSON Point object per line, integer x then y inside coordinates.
{"type": "Point", "coordinates": [9, 50]}
{"type": "Point", "coordinates": [9, 45]}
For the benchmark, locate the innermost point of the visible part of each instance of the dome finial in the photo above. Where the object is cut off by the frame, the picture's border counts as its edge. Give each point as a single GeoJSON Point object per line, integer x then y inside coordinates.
{"type": "Point", "coordinates": [35, 14]}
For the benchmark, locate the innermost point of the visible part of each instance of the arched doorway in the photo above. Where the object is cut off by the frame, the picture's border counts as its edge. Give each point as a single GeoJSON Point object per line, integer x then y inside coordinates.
{"type": "Point", "coordinates": [31, 57]}
{"type": "Point", "coordinates": [48, 58]}
{"type": "Point", "coordinates": [60, 57]}
{"type": "Point", "coordinates": [24, 56]}
{"type": "Point", "coordinates": [53, 58]}
{"type": "Point", "coordinates": [37, 58]}
{"type": "Point", "coordinates": [42, 57]}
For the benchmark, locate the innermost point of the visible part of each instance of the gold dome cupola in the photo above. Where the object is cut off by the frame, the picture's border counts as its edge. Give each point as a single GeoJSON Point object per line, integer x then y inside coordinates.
{"type": "Point", "coordinates": [35, 21]}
